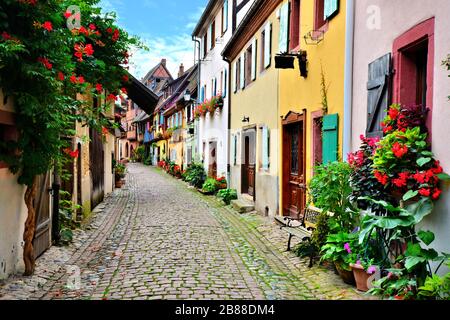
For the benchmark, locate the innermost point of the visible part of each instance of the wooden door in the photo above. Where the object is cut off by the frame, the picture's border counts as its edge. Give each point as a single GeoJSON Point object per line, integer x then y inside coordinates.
{"type": "Point", "coordinates": [213, 159]}
{"type": "Point", "coordinates": [97, 166]}
{"type": "Point", "coordinates": [294, 167]}
{"type": "Point", "coordinates": [42, 237]}
{"type": "Point", "coordinates": [249, 163]}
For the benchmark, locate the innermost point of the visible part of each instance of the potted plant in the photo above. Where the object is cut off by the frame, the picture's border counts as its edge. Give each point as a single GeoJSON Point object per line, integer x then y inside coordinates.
{"type": "Point", "coordinates": [339, 249]}
{"type": "Point", "coordinates": [222, 183]}
{"type": "Point", "coordinates": [119, 174]}
{"type": "Point", "coordinates": [209, 187]}
{"type": "Point", "coordinates": [227, 195]}
{"type": "Point", "coordinates": [364, 273]}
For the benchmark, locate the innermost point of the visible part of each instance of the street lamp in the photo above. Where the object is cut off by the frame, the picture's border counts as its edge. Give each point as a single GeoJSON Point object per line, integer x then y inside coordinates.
{"type": "Point", "coordinates": [187, 96]}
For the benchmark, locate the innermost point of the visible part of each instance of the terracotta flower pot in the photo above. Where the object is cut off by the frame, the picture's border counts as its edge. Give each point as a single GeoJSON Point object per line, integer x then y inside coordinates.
{"type": "Point", "coordinates": [346, 276]}
{"type": "Point", "coordinates": [361, 277]}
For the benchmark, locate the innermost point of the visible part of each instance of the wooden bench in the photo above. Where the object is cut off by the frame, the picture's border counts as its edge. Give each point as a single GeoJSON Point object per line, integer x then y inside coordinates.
{"type": "Point", "coordinates": [308, 223]}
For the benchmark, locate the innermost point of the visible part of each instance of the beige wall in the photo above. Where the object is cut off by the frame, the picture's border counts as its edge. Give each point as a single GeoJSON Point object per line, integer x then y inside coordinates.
{"type": "Point", "coordinates": [397, 17]}
{"type": "Point", "coordinates": [259, 102]}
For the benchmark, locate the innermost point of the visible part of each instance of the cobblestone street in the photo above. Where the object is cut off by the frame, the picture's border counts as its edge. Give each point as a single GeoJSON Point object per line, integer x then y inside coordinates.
{"type": "Point", "coordinates": [158, 239]}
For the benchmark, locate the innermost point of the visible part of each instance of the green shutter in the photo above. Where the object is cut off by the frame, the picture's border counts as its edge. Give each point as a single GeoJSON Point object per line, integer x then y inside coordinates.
{"type": "Point", "coordinates": [330, 7]}
{"type": "Point", "coordinates": [330, 138]}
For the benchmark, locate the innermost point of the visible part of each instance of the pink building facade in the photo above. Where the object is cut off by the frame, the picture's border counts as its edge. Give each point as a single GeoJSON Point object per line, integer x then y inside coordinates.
{"type": "Point", "coordinates": [398, 51]}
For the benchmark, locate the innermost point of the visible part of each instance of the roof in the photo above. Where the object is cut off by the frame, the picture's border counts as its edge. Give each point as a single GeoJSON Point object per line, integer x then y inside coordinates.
{"type": "Point", "coordinates": [204, 18]}
{"type": "Point", "coordinates": [181, 89]}
{"type": "Point", "coordinates": [141, 117]}
{"type": "Point", "coordinates": [145, 98]}
{"type": "Point", "coordinates": [153, 72]}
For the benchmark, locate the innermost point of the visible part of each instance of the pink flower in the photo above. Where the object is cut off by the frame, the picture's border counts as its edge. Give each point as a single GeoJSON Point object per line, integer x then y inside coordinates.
{"type": "Point", "coordinates": [347, 248]}
{"type": "Point", "coordinates": [372, 270]}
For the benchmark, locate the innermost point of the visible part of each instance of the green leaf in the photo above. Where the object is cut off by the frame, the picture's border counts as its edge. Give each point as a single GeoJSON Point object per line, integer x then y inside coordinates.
{"type": "Point", "coordinates": [427, 153]}
{"type": "Point", "coordinates": [426, 236]}
{"type": "Point", "coordinates": [443, 177]}
{"type": "Point", "coordinates": [412, 262]}
{"type": "Point", "coordinates": [420, 209]}
{"type": "Point", "coordinates": [423, 161]}
{"type": "Point", "coordinates": [421, 144]}
{"type": "Point", "coordinates": [410, 194]}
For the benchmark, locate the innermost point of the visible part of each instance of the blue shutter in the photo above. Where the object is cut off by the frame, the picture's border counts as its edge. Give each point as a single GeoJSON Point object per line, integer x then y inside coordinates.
{"type": "Point", "coordinates": [202, 94]}
{"type": "Point", "coordinates": [329, 8]}
{"type": "Point", "coordinates": [225, 83]}
{"type": "Point", "coordinates": [330, 138]}
{"type": "Point", "coordinates": [215, 87]}
{"type": "Point", "coordinates": [225, 15]}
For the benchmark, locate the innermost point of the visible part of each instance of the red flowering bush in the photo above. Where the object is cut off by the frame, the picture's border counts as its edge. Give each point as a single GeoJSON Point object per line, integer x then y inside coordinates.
{"type": "Point", "coordinates": [403, 162]}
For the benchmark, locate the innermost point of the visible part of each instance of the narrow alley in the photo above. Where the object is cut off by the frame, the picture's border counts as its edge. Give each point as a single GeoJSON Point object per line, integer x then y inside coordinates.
{"type": "Point", "coordinates": [169, 242]}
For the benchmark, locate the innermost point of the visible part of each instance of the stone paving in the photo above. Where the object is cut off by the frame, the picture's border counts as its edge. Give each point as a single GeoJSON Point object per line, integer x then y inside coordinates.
{"type": "Point", "coordinates": [158, 239]}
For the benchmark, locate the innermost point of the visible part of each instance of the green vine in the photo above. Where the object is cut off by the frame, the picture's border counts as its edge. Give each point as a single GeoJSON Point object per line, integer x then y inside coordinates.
{"type": "Point", "coordinates": [324, 87]}
{"type": "Point", "coordinates": [52, 73]}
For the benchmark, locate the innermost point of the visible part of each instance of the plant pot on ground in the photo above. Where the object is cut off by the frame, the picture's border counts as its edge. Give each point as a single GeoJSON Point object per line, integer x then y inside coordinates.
{"type": "Point", "coordinates": [346, 276]}
{"type": "Point", "coordinates": [362, 277]}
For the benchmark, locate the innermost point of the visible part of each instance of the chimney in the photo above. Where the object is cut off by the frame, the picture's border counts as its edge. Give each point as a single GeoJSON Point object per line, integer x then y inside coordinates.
{"type": "Point", "coordinates": [181, 71]}
{"type": "Point", "coordinates": [163, 62]}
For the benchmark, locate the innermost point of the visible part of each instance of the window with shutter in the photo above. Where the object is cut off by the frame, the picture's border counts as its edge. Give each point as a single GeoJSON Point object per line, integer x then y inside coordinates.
{"type": "Point", "coordinates": [284, 29]}
{"type": "Point", "coordinates": [330, 137]}
{"type": "Point", "coordinates": [267, 47]}
{"type": "Point", "coordinates": [295, 25]}
{"type": "Point", "coordinates": [254, 51]}
{"type": "Point", "coordinates": [225, 16]}
{"type": "Point", "coordinates": [330, 8]}
{"type": "Point", "coordinates": [242, 71]}
{"type": "Point", "coordinates": [225, 83]}
{"type": "Point", "coordinates": [378, 94]}
{"type": "Point", "coordinates": [235, 76]}
{"type": "Point", "coordinates": [202, 94]}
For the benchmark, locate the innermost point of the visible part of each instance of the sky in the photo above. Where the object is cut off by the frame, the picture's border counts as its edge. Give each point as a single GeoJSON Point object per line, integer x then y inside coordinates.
{"type": "Point", "coordinates": [165, 26]}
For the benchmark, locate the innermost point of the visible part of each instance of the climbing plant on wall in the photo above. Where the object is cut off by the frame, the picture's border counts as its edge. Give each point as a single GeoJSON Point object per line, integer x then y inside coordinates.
{"type": "Point", "coordinates": [50, 52]}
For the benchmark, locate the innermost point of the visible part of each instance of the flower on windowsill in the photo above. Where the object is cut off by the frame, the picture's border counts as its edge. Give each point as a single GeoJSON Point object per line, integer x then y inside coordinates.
{"type": "Point", "coordinates": [347, 248]}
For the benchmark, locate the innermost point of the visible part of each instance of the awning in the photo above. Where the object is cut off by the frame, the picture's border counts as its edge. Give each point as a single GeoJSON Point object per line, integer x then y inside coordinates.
{"type": "Point", "coordinates": [145, 98]}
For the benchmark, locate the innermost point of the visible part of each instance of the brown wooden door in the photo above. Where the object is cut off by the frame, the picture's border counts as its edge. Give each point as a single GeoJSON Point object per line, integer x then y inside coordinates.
{"type": "Point", "coordinates": [97, 166]}
{"type": "Point", "coordinates": [294, 193]}
{"type": "Point", "coordinates": [42, 239]}
{"type": "Point", "coordinates": [213, 159]}
{"type": "Point", "coordinates": [249, 165]}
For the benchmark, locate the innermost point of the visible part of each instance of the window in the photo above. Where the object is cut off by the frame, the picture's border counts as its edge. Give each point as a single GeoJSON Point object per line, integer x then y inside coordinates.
{"type": "Point", "coordinates": [205, 45]}
{"type": "Point", "coordinates": [213, 34]}
{"type": "Point", "coordinates": [265, 136]}
{"type": "Point", "coordinates": [295, 25]}
{"type": "Point", "coordinates": [317, 143]}
{"type": "Point", "coordinates": [221, 82]}
{"type": "Point", "coordinates": [414, 62]}
{"type": "Point", "coordinates": [266, 48]}
{"type": "Point", "coordinates": [225, 17]}
{"type": "Point", "coordinates": [248, 66]}
{"type": "Point", "coordinates": [237, 73]}
{"type": "Point", "coordinates": [325, 10]}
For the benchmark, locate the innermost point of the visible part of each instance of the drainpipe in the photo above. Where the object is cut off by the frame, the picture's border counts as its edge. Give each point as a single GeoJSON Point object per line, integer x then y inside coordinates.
{"type": "Point", "coordinates": [348, 77]}
{"type": "Point", "coordinates": [229, 91]}
{"type": "Point", "coordinates": [198, 87]}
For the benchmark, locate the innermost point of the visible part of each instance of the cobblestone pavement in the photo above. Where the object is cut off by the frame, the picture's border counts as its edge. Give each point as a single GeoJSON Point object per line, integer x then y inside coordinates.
{"type": "Point", "coordinates": [158, 239]}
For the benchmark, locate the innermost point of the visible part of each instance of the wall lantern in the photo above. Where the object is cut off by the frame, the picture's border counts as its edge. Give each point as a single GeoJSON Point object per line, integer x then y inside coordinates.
{"type": "Point", "coordinates": [246, 119]}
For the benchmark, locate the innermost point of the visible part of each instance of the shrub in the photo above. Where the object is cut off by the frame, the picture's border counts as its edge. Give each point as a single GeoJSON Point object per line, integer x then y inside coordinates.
{"type": "Point", "coordinates": [210, 185]}
{"type": "Point", "coordinates": [227, 195]}
{"type": "Point", "coordinates": [195, 175]}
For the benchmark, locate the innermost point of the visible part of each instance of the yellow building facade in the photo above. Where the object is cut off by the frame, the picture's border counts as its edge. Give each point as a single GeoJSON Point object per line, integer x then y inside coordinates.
{"type": "Point", "coordinates": [311, 96]}
{"type": "Point", "coordinates": [254, 113]}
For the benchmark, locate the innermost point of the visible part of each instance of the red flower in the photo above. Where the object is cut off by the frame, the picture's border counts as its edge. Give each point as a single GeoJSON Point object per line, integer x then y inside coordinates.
{"type": "Point", "coordinates": [111, 97]}
{"type": "Point", "coordinates": [420, 177]}
{"type": "Point", "coordinates": [387, 129]}
{"type": "Point", "coordinates": [99, 88]}
{"type": "Point", "coordinates": [89, 50]}
{"type": "Point", "coordinates": [81, 80]}
{"type": "Point", "coordinates": [105, 131]}
{"type": "Point", "coordinates": [67, 14]}
{"type": "Point", "coordinates": [73, 79]}
{"type": "Point", "coordinates": [381, 177]}
{"type": "Point", "coordinates": [437, 169]}
{"type": "Point", "coordinates": [109, 30]}
{"type": "Point", "coordinates": [399, 150]}
{"type": "Point", "coordinates": [125, 78]}
{"type": "Point", "coordinates": [46, 63]}
{"type": "Point", "coordinates": [47, 25]}
{"type": "Point", "coordinates": [351, 159]}
{"type": "Point", "coordinates": [73, 154]}
{"type": "Point", "coordinates": [393, 113]}
{"type": "Point", "coordinates": [399, 183]}
{"type": "Point", "coordinates": [60, 76]}
{"type": "Point", "coordinates": [436, 194]}
{"type": "Point", "coordinates": [425, 192]}
{"type": "Point", "coordinates": [92, 27]}
{"type": "Point", "coordinates": [6, 36]}
{"type": "Point", "coordinates": [116, 35]}
{"type": "Point", "coordinates": [404, 175]}
{"type": "Point", "coordinates": [124, 90]}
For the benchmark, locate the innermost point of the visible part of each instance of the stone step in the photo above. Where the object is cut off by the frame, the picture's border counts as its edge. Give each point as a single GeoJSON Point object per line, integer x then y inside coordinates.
{"type": "Point", "coordinates": [242, 206]}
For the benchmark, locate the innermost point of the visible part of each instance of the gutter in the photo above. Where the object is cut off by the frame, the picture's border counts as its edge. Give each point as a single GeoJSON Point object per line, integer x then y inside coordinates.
{"type": "Point", "coordinates": [348, 77]}
{"type": "Point", "coordinates": [227, 60]}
